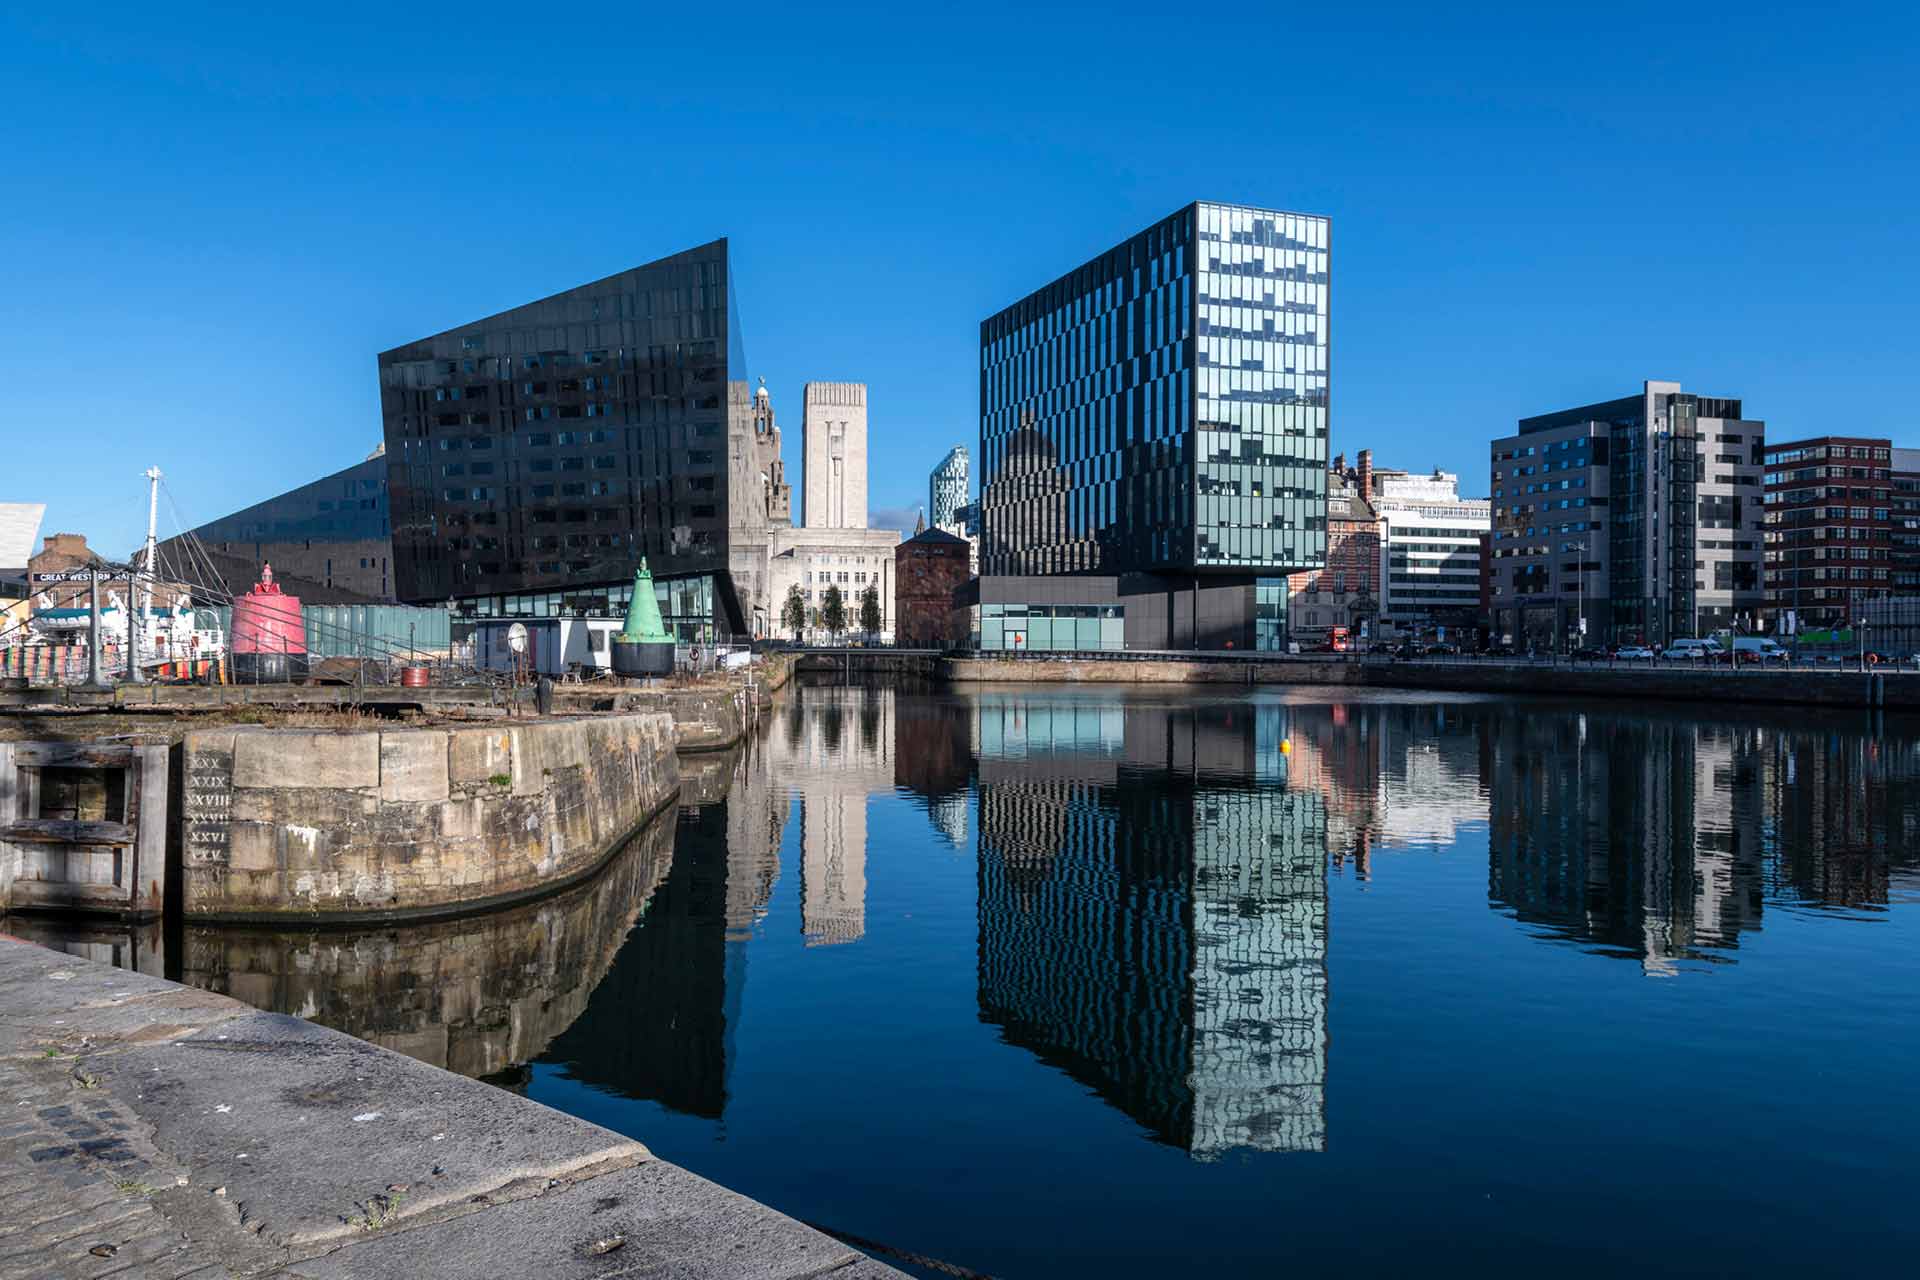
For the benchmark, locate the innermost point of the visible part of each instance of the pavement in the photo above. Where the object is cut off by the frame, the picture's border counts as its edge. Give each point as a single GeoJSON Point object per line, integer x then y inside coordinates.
{"type": "Point", "coordinates": [152, 1130]}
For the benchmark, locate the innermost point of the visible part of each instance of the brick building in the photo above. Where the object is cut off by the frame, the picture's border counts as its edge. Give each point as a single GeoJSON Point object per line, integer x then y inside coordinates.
{"type": "Point", "coordinates": [1830, 528]}
{"type": "Point", "coordinates": [931, 572]}
{"type": "Point", "coordinates": [1347, 591]}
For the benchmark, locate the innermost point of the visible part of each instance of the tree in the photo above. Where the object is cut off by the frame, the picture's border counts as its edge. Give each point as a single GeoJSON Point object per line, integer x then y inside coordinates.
{"type": "Point", "coordinates": [870, 611]}
{"type": "Point", "coordinates": [793, 614]}
{"type": "Point", "coordinates": [833, 611]}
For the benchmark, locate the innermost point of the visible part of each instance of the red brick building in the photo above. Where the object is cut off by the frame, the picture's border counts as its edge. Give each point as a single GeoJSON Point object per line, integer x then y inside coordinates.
{"type": "Point", "coordinates": [1830, 527]}
{"type": "Point", "coordinates": [930, 575]}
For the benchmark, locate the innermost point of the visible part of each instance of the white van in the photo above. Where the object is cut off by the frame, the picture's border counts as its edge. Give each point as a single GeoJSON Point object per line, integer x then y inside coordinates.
{"type": "Point", "coordinates": [1759, 649]}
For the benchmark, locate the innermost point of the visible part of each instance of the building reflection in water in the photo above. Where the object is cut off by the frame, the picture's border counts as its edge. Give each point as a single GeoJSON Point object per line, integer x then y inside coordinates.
{"type": "Point", "coordinates": [662, 1025]}
{"type": "Point", "coordinates": [1153, 912]}
{"type": "Point", "coordinates": [834, 751]}
{"type": "Point", "coordinates": [1663, 838]}
{"type": "Point", "coordinates": [480, 995]}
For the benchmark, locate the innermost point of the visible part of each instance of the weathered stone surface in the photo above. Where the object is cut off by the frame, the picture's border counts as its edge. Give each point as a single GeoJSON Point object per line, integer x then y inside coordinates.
{"type": "Point", "coordinates": [253, 847]}
{"type": "Point", "coordinates": [431, 825]}
{"type": "Point", "coordinates": [283, 759]}
{"type": "Point", "coordinates": [413, 766]}
{"type": "Point", "coordinates": [652, 1219]}
{"type": "Point", "coordinates": [211, 1139]}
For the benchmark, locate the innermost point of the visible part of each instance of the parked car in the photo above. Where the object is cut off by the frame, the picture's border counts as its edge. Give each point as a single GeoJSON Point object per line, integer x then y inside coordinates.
{"type": "Point", "coordinates": [1633, 653]}
{"type": "Point", "coordinates": [1691, 650]}
{"type": "Point", "coordinates": [1499, 651]}
{"type": "Point", "coordinates": [1443, 650]}
{"type": "Point", "coordinates": [1589, 654]}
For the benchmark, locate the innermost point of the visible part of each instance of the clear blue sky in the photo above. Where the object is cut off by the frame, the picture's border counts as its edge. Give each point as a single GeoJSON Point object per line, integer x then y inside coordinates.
{"type": "Point", "coordinates": [213, 218]}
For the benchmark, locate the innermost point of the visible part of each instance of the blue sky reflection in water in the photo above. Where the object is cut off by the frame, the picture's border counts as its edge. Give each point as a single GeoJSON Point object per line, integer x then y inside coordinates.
{"type": "Point", "coordinates": [1070, 982]}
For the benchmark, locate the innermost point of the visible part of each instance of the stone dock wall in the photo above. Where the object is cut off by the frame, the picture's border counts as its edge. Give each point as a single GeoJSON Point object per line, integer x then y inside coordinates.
{"type": "Point", "coordinates": [279, 824]}
{"type": "Point", "coordinates": [1876, 690]}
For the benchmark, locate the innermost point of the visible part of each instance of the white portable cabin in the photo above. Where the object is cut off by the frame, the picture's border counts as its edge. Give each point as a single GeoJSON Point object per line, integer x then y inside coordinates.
{"type": "Point", "coordinates": [555, 646]}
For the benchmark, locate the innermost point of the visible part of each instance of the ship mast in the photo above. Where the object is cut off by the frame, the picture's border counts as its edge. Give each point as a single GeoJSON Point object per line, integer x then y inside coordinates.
{"type": "Point", "coordinates": [136, 615]}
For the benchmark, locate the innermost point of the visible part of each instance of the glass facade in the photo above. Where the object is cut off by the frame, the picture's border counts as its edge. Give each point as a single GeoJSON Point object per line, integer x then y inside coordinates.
{"type": "Point", "coordinates": [1261, 385]}
{"type": "Point", "coordinates": [686, 605]}
{"type": "Point", "coordinates": [1163, 407]}
{"type": "Point", "coordinates": [1017, 628]}
{"type": "Point", "coordinates": [948, 489]}
{"type": "Point", "coordinates": [541, 452]}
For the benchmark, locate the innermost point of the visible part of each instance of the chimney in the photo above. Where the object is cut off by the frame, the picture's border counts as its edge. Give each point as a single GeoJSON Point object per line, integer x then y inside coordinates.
{"type": "Point", "coordinates": [1366, 473]}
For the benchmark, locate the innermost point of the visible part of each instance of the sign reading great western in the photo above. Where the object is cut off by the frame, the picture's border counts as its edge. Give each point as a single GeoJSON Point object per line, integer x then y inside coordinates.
{"type": "Point", "coordinates": [58, 577]}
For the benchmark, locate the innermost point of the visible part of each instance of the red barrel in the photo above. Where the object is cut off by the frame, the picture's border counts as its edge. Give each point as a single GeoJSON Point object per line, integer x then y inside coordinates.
{"type": "Point", "coordinates": [268, 638]}
{"type": "Point", "coordinates": [416, 677]}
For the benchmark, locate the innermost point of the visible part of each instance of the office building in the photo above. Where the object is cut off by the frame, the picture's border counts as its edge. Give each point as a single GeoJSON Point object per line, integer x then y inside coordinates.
{"type": "Point", "coordinates": [1637, 520]}
{"type": "Point", "coordinates": [1905, 531]}
{"type": "Point", "coordinates": [1430, 538]}
{"type": "Point", "coordinates": [833, 466]}
{"type": "Point", "coordinates": [1829, 537]}
{"type": "Point", "coordinates": [335, 531]}
{"type": "Point", "coordinates": [948, 492]}
{"type": "Point", "coordinates": [1153, 438]}
{"type": "Point", "coordinates": [535, 456]}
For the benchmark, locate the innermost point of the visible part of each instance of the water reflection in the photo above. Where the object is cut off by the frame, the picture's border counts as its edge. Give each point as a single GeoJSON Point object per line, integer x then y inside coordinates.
{"type": "Point", "coordinates": [1151, 880]}
{"type": "Point", "coordinates": [662, 1024]}
{"type": "Point", "coordinates": [1153, 913]}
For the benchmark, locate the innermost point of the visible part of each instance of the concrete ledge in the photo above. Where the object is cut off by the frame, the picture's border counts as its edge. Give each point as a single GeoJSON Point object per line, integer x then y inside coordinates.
{"type": "Point", "coordinates": [189, 1132]}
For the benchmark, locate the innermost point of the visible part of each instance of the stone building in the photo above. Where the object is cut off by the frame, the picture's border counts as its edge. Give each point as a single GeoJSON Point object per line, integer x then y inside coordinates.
{"type": "Point", "coordinates": [931, 572]}
{"type": "Point", "coordinates": [833, 460]}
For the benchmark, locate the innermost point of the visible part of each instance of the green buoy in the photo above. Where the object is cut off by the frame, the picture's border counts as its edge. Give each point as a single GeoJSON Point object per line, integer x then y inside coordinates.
{"type": "Point", "coordinates": [643, 647]}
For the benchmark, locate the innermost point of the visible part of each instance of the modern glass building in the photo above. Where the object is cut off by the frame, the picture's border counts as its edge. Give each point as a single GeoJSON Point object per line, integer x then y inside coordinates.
{"type": "Point", "coordinates": [1154, 423]}
{"type": "Point", "coordinates": [536, 455]}
{"type": "Point", "coordinates": [947, 489]}
{"type": "Point", "coordinates": [333, 531]}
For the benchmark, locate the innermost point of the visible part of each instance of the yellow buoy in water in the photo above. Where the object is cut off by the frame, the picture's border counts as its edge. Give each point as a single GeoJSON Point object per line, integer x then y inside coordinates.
{"type": "Point", "coordinates": [1286, 746]}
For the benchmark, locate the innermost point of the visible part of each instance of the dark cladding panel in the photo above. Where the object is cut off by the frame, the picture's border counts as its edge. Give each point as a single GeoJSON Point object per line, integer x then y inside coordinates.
{"type": "Point", "coordinates": [551, 446]}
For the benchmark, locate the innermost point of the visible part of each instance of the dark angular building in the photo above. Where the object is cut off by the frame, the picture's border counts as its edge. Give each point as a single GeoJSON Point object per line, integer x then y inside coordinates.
{"type": "Point", "coordinates": [1153, 439]}
{"type": "Point", "coordinates": [536, 455]}
{"type": "Point", "coordinates": [334, 532]}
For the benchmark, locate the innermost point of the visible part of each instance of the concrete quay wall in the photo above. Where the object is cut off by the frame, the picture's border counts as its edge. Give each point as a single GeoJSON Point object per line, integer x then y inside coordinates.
{"type": "Point", "coordinates": [157, 1130]}
{"type": "Point", "coordinates": [1145, 671]}
{"type": "Point", "coordinates": [1891, 691]}
{"type": "Point", "coordinates": [280, 824]}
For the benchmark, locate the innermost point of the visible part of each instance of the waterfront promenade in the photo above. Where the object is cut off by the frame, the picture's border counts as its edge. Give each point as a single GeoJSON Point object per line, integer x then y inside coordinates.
{"type": "Point", "coordinates": [148, 1129]}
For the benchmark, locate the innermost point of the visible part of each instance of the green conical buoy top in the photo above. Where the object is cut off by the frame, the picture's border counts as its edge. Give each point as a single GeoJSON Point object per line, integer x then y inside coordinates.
{"type": "Point", "coordinates": [643, 614]}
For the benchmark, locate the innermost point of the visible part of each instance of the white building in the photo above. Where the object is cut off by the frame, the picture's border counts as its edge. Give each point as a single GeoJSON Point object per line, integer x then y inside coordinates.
{"type": "Point", "coordinates": [815, 559]}
{"type": "Point", "coordinates": [1429, 549]}
{"type": "Point", "coordinates": [773, 560]}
